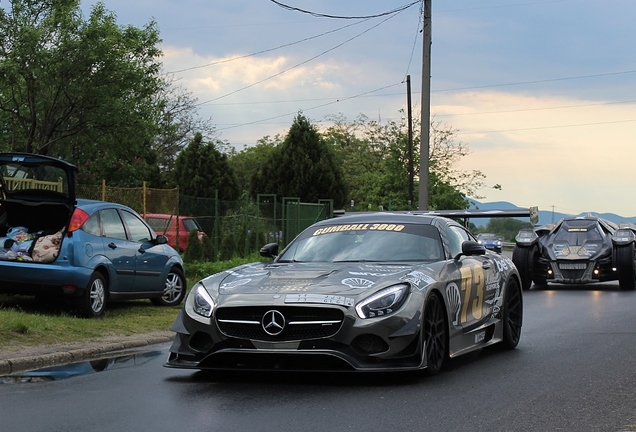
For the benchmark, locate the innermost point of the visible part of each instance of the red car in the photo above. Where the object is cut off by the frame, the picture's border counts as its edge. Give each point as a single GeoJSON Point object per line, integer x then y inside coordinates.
{"type": "Point", "coordinates": [176, 228]}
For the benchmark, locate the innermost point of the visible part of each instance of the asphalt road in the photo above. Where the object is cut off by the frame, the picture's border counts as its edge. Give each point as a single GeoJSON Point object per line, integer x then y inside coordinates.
{"type": "Point", "coordinates": [574, 370]}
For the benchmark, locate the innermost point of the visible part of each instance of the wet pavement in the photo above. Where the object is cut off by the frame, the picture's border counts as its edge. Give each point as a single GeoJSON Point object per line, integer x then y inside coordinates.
{"type": "Point", "coordinates": [118, 360]}
{"type": "Point", "coordinates": [12, 363]}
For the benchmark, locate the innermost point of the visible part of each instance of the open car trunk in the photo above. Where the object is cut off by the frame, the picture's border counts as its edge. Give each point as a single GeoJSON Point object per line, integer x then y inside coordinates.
{"type": "Point", "coordinates": [37, 199]}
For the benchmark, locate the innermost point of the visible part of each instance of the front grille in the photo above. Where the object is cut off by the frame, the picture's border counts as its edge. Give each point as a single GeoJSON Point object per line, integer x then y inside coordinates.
{"type": "Point", "coordinates": [573, 270]}
{"type": "Point", "coordinates": [572, 265]}
{"type": "Point", "coordinates": [300, 323]}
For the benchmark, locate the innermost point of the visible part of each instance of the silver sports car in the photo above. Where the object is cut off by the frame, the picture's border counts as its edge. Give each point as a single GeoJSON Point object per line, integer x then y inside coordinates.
{"type": "Point", "coordinates": [365, 292]}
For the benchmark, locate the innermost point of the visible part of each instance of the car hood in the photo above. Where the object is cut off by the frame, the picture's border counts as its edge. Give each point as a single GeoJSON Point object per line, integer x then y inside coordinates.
{"type": "Point", "coordinates": [322, 278]}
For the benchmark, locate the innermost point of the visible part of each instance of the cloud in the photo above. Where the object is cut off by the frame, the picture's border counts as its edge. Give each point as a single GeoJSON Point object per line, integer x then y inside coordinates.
{"type": "Point", "coordinates": [546, 150]}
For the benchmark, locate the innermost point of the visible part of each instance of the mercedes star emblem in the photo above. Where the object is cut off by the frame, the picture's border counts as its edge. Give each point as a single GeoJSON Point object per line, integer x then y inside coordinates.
{"type": "Point", "coordinates": [273, 322]}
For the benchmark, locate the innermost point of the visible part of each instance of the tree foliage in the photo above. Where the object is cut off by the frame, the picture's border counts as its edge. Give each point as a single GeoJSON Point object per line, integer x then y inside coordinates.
{"type": "Point", "coordinates": [178, 123]}
{"type": "Point", "coordinates": [200, 169]}
{"type": "Point", "coordinates": [248, 163]}
{"type": "Point", "coordinates": [376, 156]}
{"type": "Point", "coordinates": [86, 90]}
{"type": "Point", "coordinates": [302, 166]}
{"type": "Point", "coordinates": [506, 228]}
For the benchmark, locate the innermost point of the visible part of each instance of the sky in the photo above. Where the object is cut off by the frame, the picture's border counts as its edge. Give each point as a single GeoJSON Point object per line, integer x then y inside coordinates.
{"type": "Point", "coordinates": [542, 92]}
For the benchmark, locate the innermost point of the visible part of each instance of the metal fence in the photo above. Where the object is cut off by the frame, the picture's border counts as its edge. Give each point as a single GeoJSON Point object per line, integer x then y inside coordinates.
{"type": "Point", "coordinates": [234, 228]}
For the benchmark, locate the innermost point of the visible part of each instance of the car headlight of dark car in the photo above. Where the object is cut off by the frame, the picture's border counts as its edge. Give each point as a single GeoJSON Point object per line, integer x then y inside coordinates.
{"type": "Point", "coordinates": [383, 302]}
{"type": "Point", "coordinates": [202, 302]}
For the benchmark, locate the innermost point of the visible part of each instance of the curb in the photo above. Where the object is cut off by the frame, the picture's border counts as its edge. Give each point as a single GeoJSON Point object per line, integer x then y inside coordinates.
{"type": "Point", "coordinates": [29, 363]}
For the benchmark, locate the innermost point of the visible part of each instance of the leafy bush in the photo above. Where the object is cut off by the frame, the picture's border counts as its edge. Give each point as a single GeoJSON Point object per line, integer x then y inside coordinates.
{"type": "Point", "coordinates": [194, 252]}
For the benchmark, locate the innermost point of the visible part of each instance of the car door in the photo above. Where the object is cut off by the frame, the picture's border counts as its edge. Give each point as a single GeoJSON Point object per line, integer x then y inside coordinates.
{"type": "Point", "coordinates": [471, 284]}
{"type": "Point", "coordinates": [150, 257]}
{"type": "Point", "coordinates": [121, 252]}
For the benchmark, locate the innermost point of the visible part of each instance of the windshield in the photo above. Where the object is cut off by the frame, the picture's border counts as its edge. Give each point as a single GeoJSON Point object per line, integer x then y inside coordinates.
{"type": "Point", "coordinates": [366, 242]}
{"type": "Point", "coordinates": [577, 233]}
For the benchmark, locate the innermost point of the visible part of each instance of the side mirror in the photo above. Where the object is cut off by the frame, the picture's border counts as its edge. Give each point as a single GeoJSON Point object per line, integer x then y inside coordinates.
{"type": "Point", "coordinates": [162, 239]}
{"type": "Point", "coordinates": [270, 250]}
{"type": "Point", "coordinates": [470, 247]}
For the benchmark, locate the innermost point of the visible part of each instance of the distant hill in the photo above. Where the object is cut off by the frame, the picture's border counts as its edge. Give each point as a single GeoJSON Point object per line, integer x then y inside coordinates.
{"type": "Point", "coordinates": [545, 216]}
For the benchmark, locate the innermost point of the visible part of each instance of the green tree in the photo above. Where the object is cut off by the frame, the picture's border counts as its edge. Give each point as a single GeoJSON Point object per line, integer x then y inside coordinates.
{"type": "Point", "coordinates": [248, 162]}
{"type": "Point", "coordinates": [506, 228]}
{"type": "Point", "coordinates": [302, 166]}
{"type": "Point", "coordinates": [81, 89]}
{"type": "Point", "coordinates": [178, 123]}
{"type": "Point", "coordinates": [376, 157]}
{"type": "Point", "coordinates": [200, 169]}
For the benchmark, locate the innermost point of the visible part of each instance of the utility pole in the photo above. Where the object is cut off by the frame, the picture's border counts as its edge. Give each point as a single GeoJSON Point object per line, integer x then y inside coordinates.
{"type": "Point", "coordinates": [425, 117]}
{"type": "Point", "coordinates": [410, 137]}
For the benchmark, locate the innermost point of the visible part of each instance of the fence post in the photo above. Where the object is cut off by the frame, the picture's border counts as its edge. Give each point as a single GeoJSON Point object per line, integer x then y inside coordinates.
{"type": "Point", "coordinates": [143, 202]}
{"type": "Point", "coordinates": [286, 221]}
{"type": "Point", "coordinates": [246, 243]}
{"type": "Point", "coordinates": [274, 219]}
{"type": "Point", "coordinates": [217, 224]}
{"type": "Point", "coordinates": [328, 203]}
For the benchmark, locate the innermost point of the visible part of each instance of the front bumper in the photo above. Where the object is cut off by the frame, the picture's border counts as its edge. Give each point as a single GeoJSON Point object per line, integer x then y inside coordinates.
{"type": "Point", "coordinates": [576, 272]}
{"type": "Point", "coordinates": [385, 344]}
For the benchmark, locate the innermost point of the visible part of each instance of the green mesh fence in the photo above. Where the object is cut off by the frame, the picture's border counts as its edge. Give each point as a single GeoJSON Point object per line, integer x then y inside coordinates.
{"type": "Point", "coordinates": [232, 228]}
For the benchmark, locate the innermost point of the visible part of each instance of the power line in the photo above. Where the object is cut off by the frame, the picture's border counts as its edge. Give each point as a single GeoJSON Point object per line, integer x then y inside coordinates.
{"type": "Point", "coordinates": [534, 82]}
{"type": "Point", "coordinates": [537, 109]}
{"type": "Point", "coordinates": [469, 88]}
{"type": "Point", "coordinates": [307, 109]}
{"type": "Point", "coordinates": [267, 50]}
{"type": "Point", "coordinates": [321, 15]}
{"type": "Point", "coordinates": [298, 64]}
{"type": "Point", "coordinates": [546, 127]}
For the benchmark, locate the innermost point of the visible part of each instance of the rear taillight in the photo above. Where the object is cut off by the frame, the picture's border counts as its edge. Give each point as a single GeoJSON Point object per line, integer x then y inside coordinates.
{"type": "Point", "coordinates": [77, 220]}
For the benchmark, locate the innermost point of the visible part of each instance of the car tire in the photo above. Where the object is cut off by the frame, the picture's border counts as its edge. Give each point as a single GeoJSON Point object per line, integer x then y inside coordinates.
{"type": "Point", "coordinates": [512, 315]}
{"type": "Point", "coordinates": [174, 289]}
{"type": "Point", "coordinates": [625, 262]}
{"type": "Point", "coordinates": [434, 334]}
{"type": "Point", "coordinates": [523, 259]}
{"type": "Point", "coordinates": [92, 303]}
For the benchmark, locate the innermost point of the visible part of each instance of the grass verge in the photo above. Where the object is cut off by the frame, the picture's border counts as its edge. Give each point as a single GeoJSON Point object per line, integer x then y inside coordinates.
{"type": "Point", "coordinates": [27, 322]}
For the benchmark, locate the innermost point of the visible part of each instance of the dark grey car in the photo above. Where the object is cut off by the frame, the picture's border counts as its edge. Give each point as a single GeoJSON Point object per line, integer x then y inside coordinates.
{"type": "Point", "coordinates": [378, 291]}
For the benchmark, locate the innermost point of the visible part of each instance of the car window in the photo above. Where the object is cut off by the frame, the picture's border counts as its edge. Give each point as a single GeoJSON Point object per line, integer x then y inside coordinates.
{"type": "Point", "coordinates": [112, 224]}
{"type": "Point", "coordinates": [158, 224]}
{"type": "Point", "coordinates": [18, 176]}
{"type": "Point", "coordinates": [456, 236]}
{"type": "Point", "coordinates": [191, 224]}
{"type": "Point", "coordinates": [91, 225]}
{"type": "Point", "coordinates": [139, 232]}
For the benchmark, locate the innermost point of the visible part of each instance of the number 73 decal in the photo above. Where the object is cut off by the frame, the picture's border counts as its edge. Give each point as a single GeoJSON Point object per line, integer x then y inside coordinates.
{"type": "Point", "coordinates": [467, 301]}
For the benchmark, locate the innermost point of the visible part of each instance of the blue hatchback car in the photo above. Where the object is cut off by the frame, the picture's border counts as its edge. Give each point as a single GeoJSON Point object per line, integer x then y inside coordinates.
{"type": "Point", "coordinates": [87, 251]}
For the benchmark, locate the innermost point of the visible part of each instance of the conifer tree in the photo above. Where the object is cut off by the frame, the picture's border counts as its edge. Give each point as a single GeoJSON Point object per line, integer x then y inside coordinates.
{"type": "Point", "coordinates": [200, 169]}
{"type": "Point", "coordinates": [303, 166]}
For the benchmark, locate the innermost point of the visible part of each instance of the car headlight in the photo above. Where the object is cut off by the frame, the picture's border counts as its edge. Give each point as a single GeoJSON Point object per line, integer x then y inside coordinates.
{"type": "Point", "coordinates": [202, 302]}
{"type": "Point", "coordinates": [384, 302]}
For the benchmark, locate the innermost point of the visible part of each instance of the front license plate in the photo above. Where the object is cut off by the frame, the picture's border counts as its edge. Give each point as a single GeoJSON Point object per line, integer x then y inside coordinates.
{"type": "Point", "coordinates": [572, 266]}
